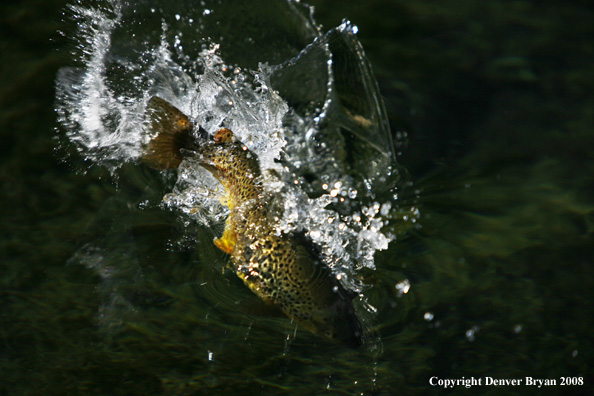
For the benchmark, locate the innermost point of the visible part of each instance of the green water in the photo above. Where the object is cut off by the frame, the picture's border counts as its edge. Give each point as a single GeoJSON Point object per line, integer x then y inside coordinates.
{"type": "Point", "coordinates": [496, 99]}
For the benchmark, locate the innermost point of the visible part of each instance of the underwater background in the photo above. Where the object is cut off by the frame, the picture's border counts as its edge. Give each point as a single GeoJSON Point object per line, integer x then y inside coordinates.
{"type": "Point", "coordinates": [492, 108]}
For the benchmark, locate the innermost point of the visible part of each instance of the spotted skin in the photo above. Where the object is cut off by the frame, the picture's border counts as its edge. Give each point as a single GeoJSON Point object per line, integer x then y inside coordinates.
{"type": "Point", "coordinates": [282, 269]}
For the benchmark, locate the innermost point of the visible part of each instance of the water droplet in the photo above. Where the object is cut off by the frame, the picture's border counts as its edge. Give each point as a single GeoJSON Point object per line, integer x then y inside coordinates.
{"type": "Point", "coordinates": [403, 287]}
{"type": "Point", "coordinates": [471, 333]}
{"type": "Point", "coordinates": [385, 209]}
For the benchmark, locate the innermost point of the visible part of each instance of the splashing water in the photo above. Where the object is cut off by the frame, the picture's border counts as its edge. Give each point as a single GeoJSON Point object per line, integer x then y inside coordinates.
{"type": "Point", "coordinates": [304, 102]}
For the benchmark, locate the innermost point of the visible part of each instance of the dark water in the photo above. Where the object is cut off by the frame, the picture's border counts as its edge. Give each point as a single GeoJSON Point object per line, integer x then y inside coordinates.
{"type": "Point", "coordinates": [496, 100]}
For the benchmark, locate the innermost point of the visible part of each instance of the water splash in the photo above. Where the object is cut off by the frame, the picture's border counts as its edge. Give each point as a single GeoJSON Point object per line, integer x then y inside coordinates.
{"type": "Point", "coordinates": [312, 115]}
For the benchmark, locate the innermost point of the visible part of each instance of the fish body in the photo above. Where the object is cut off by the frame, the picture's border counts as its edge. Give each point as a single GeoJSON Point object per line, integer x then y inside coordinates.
{"type": "Point", "coordinates": [283, 269]}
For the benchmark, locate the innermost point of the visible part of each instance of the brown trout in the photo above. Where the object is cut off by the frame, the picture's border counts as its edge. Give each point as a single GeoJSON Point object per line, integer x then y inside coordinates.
{"type": "Point", "coordinates": [283, 269]}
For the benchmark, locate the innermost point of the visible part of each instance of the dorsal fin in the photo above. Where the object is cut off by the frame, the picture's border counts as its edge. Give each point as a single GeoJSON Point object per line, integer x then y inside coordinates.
{"type": "Point", "coordinates": [171, 131]}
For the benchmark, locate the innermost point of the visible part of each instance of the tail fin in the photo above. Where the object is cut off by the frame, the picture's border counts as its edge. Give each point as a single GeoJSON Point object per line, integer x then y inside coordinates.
{"type": "Point", "coordinates": [171, 130]}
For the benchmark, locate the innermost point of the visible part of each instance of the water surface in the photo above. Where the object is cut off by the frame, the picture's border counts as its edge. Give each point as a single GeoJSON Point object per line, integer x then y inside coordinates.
{"type": "Point", "coordinates": [106, 292]}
